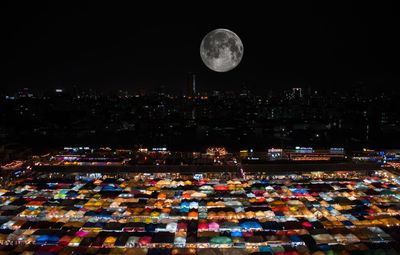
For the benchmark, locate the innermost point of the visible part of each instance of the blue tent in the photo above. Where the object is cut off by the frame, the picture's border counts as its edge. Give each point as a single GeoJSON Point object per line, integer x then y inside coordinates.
{"type": "Point", "coordinates": [185, 206]}
{"type": "Point", "coordinates": [99, 224]}
{"type": "Point", "coordinates": [72, 194]}
{"type": "Point", "coordinates": [324, 247]}
{"type": "Point", "coordinates": [265, 249]}
{"type": "Point", "coordinates": [299, 191]}
{"type": "Point", "coordinates": [347, 223]}
{"type": "Point", "coordinates": [110, 188]}
{"type": "Point", "coordinates": [295, 239]}
{"type": "Point", "coordinates": [51, 185]}
{"type": "Point", "coordinates": [365, 201]}
{"type": "Point", "coordinates": [53, 239]}
{"type": "Point", "coordinates": [93, 225]}
{"type": "Point", "coordinates": [330, 208]}
{"type": "Point", "coordinates": [236, 234]}
{"type": "Point", "coordinates": [91, 213]}
{"type": "Point", "coordinates": [104, 214]}
{"type": "Point", "coordinates": [47, 239]}
{"type": "Point", "coordinates": [42, 239]}
{"type": "Point", "coordinates": [250, 224]}
{"type": "Point", "coordinates": [272, 225]}
{"type": "Point", "coordinates": [89, 224]}
{"type": "Point", "coordinates": [150, 227]}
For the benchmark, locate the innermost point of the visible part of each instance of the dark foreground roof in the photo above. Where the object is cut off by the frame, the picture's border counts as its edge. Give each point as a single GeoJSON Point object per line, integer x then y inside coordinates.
{"type": "Point", "coordinates": [137, 169]}
{"type": "Point", "coordinates": [306, 167]}
{"type": "Point", "coordinates": [267, 168]}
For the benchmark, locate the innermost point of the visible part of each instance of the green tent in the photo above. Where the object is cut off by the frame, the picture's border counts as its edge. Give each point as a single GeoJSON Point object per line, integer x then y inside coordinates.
{"type": "Point", "coordinates": [221, 240]}
{"type": "Point", "coordinates": [387, 192]}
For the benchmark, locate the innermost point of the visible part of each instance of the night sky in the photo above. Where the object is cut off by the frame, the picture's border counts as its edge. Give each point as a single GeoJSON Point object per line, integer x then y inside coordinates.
{"type": "Point", "coordinates": [112, 46]}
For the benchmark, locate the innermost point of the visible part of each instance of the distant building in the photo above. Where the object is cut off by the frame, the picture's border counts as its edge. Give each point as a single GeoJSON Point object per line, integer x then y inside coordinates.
{"type": "Point", "coordinates": [297, 93]}
{"type": "Point", "coordinates": [191, 85]}
{"type": "Point", "coordinates": [25, 93]}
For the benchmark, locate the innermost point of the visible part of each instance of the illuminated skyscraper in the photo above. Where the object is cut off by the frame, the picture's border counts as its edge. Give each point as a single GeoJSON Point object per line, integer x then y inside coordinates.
{"type": "Point", "coordinates": [191, 86]}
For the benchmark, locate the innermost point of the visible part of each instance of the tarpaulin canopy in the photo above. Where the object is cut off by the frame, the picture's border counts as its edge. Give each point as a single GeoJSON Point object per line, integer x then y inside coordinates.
{"type": "Point", "coordinates": [220, 240]}
{"type": "Point", "coordinates": [250, 225]}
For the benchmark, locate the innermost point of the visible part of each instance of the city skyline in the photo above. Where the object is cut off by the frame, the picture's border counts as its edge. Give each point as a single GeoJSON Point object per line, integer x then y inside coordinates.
{"type": "Point", "coordinates": [354, 118]}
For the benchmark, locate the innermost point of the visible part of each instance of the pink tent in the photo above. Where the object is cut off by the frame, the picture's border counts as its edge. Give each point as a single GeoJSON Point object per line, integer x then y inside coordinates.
{"type": "Point", "coordinates": [213, 226]}
{"type": "Point", "coordinates": [81, 233]}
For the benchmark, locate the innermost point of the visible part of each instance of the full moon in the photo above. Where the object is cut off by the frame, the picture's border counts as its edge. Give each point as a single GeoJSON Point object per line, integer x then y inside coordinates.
{"type": "Point", "coordinates": [221, 50]}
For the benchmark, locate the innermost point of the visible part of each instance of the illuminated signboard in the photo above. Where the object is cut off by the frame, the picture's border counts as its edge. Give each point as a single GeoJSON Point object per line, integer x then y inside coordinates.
{"type": "Point", "coordinates": [337, 149]}
{"type": "Point", "coordinates": [299, 149]}
{"type": "Point", "coordinates": [198, 176]}
{"type": "Point", "coordinates": [76, 148]}
{"type": "Point", "coordinates": [273, 150]}
{"type": "Point", "coordinates": [217, 151]}
{"type": "Point", "coordinates": [159, 149]}
{"type": "Point", "coordinates": [244, 153]}
{"type": "Point", "coordinates": [274, 153]}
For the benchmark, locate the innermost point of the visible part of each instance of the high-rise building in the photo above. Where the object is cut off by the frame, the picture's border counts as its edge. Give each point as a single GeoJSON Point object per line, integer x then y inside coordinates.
{"type": "Point", "coordinates": [194, 84]}
{"type": "Point", "coordinates": [191, 85]}
{"type": "Point", "coordinates": [297, 93]}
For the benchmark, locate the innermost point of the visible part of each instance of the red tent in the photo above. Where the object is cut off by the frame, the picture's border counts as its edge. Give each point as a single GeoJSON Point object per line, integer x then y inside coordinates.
{"type": "Point", "coordinates": [203, 226]}
{"type": "Point", "coordinates": [221, 187]}
{"type": "Point", "coordinates": [65, 240]}
{"type": "Point", "coordinates": [145, 240]}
